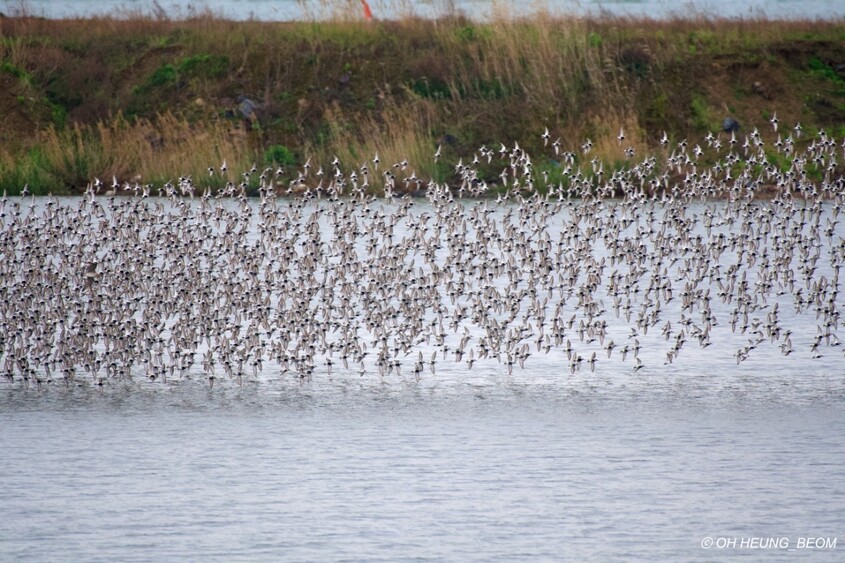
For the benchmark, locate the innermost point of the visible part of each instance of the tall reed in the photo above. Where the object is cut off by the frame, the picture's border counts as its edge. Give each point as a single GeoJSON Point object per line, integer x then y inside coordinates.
{"type": "Point", "coordinates": [400, 134]}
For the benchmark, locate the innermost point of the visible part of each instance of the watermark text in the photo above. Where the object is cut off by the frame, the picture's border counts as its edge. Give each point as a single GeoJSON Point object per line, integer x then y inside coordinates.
{"type": "Point", "coordinates": [776, 542]}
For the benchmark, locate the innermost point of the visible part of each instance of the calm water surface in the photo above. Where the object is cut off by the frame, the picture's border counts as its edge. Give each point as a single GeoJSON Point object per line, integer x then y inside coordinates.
{"type": "Point", "coordinates": [365, 471]}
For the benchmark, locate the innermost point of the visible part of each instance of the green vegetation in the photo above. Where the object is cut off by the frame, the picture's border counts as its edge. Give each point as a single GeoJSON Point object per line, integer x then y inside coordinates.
{"type": "Point", "coordinates": [153, 98]}
{"type": "Point", "coordinates": [12, 70]}
{"type": "Point", "coordinates": [168, 75]}
{"type": "Point", "coordinates": [824, 71]}
{"type": "Point", "coordinates": [279, 154]}
{"type": "Point", "coordinates": [209, 66]}
{"type": "Point", "coordinates": [702, 118]}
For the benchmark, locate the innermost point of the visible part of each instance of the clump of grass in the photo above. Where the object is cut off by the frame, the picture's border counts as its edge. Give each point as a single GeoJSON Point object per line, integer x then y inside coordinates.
{"type": "Point", "coordinates": [15, 71]}
{"type": "Point", "coordinates": [29, 169]}
{"type": "Point", "coordinates": [549, 65]}
{"type": "Point", "coordinates": [279, 155]}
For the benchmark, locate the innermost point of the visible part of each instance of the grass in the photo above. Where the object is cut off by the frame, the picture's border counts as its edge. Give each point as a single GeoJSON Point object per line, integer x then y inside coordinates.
{"type": "Point", "coordinates": [98, 97]}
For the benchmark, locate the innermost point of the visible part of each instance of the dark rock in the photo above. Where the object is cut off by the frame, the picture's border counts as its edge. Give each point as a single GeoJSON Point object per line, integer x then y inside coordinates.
{"type": "Point", "coordinates": [730, 125]}
{"type": "Point", "coordinates": [246, 107]}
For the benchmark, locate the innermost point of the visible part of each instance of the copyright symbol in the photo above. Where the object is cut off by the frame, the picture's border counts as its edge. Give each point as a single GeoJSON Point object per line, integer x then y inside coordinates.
{"type": "Point", "coordinates": [707, 542]}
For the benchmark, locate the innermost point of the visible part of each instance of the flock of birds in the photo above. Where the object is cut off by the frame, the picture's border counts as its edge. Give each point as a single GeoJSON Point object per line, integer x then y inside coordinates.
{"type": "Point", "coordinates": [221, 286]}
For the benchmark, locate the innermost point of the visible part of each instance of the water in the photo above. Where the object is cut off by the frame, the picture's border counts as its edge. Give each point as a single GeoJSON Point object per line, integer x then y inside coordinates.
{"type": "Point", "coordinates": [477, 9]}
{"type": "Point", "coordinates": [399, 473]}
{"type": "Point", "coordinates": [463, 465]}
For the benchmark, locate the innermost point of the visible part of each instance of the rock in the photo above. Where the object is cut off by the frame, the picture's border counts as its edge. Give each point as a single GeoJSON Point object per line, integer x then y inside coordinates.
{"type": "Point", "coordinates": [730, 125]}
{"type": "Point", "coordinates": [247, 109]}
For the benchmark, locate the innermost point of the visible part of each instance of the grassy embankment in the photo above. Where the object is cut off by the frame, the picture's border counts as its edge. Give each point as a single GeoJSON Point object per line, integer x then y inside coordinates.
{"type": "Point", "coordinates": [151, 99]}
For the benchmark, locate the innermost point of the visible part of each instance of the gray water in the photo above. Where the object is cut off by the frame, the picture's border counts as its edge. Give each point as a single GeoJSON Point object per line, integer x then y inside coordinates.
{"type": "Point", "coordinates": [462, 465]}
{"type": "Point", "coordinates": [390, 472]}
{"type": "Point", "coordinates": [476, 9]}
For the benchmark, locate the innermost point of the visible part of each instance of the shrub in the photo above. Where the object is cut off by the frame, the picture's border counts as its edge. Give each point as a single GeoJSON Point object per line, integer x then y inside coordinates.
{"type": "Point", "coordinates": [279, 154]}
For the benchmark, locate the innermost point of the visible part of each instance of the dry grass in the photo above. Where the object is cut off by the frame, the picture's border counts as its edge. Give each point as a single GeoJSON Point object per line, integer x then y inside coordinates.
{"type": "Point", "coordinates": [142, 151]}
{"type": "Point", "coordinates": [399, 134]}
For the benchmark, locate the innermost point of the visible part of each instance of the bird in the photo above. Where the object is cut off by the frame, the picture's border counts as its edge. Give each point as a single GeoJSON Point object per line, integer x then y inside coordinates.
{"type": "Point", "coordinates": [90, 274]}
